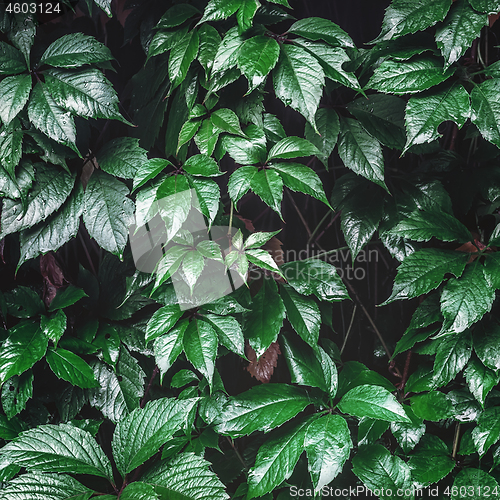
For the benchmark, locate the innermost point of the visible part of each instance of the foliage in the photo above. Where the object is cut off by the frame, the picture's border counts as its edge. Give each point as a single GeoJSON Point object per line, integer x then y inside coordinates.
{"type": "Point", "coordinates": [118, 382]}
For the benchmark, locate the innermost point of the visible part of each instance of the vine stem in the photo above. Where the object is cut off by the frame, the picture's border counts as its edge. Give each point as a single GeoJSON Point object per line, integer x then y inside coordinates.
{"type": "Point", "coordinates": [155, 372]}
{"type": "Point", "coordinates": [455, 440]}
{"type": "Point", "coordinates": [349, 329]}
{"type": "Point", "coordinates": [240, 458]}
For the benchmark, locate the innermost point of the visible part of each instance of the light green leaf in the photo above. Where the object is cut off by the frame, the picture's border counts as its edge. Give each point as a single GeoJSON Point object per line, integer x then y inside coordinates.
{"type": "Point", "coordinates": [200, 345]}
{"type": "Point", "coordinates": [427, 224]}
{"type": "Point", "coordinates": [257, 57]}
{"type": "Point", "coordinates": [11, 60]}
{"type": "Point", "coordinates": [227, 121]}
{"type": "Point", "coordinates": [59, 448]}
{"type": "Point", "coordinates": [182, 55]}
{"type": "Point", "coordinates": [46, 486]}
{"type": "Point", "coordinates": [15, 91]}
{"type": "Point", "coordinates": [328, 444]}
{"type": "Point", "coordinates": [55, 231]}
{"type": "Point", "coordinates": [186, 472]}
{"type": "Point", "coordinates": [361, 152]}
{"type": "Point", "coordinates": [408, 77]}
{"type": "Point", "coordinates": [264, 321]}
{"type": "Point", "coordinates": [316, 28]}
{"type": "Point", "coordinates": [256, 240]}
{"type": "Point", "coordinates": [460, 28]}
{"type": "Point", "coordinates": [452, 355]}
{"type": "Point", "coordinates": [372, 401]}
{"type": "Point", "coordinates": [228, 50]}
{"type": "Point", "coordinates": [208, 194]}
{"type": "Point", "coordinates": [298, 81]}
{"type": "Point", "coordinates": [309, 365]}
{"type": "Point", "coordinates": [162, 321]}
{"type": "Point", "coordinates": [15, 393]}
{"type": "Point", "coordinates": [328, 125]}
{"type": "Point", "coordinates": [382, 116]}
{"type": "Point", "coordinates": [70, 367]}
{"type": "Point", "coordinates": [381, 471]}
{"type": "Point", "coordinates": [486, 110]}
{"type": "Point", "coordinates": [262, 259]}
{"type": "Point", "coordinates": [268, 185]}
{"type": "Point", "coordinates": [262, 408]}
{"type": "Point", "coordinates": [83, 92]}
{"type": "Point", "coordinates": [247, 151]}
{"type": "Point", "coordinates": [108, 212]}
{"type": "Point", "coordinates": [25, 346]}
{"type": "Point", "coordinates": [139, 436]}
{"type": "Point", "coordinates": [122, 157]}
{"type": "Point", "coordinates": [228, 331]}
{"type": "Point", "coordinates": [246, 14]}
{"type": "Point", "coordinates": [217, 10]}
{"type": "Point", "coordinates": [209, 43]}
{"type": "Point", "coordinates": [402, 18]}
{"type": "Point", "coordinates": [292, 147]}
{"type": "Point", "coordinates": [466, 299]}
{"type": "Point", "coordinates": [201, 165]}
{"type": "Point", "coordinates": [206, 138]}
{"type": "Point", "coordinates": [277, 458]}
{"type": "Point", "coordinates": [424, 270]}
{"type": "Point", "coordinates": [433, 406]}
{"type": "Point", "coordinates": [425, 113]}
{"type": "Point", "coordinates": [167, 347]}
{"type": "Point", "coordinates": [487, 432]}
{"type": "Point", "coordinates": [50, 118]}
{"type": "Point", "coordinates": [75, 50]}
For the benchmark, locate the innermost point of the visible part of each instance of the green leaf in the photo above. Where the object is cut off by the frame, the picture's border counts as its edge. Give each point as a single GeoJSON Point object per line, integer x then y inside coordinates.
{"type": "Point", "coordinates": [486, 339]}
{"type": "Point", "coordinates": [50, 118]}
{"type": "Point", "coordinates": [10, 429]}
{"type": "Point", "coordinates": [256, 240]}
{"type": "Point", "coordinates": [257, 57]}
{"type": "Point", "coordinates": [268, 185]}
{"type": "Point", "coordinates": [378, 470]}
{"type": "Point", "coordinates": [119, 392]}
{"type": "Point", "coordinates": [466, 299]}
{"type": "Point", "coordinates": [206, 138]}
{"type": "Point", "coordinates": [309, 366]}
{"type": "Point", "coordinates": [23, 302]}
{"type": "Point", "coordinates": [247, 151]}
{"type": "Point", "coordinates": [46, 486]}
{"type": "Point", "coordinates": [227, 121]}
{"type": "Point", "coordinates": [70, 367]}
{"type": "Point", "coordinates": [480, 379]}
{"type": "Point", "coordinates": [148, 170]}
{"type": "Point", "coordinates": [122, 157]}
{"type": "Point", "coordinates": [292, 147]}
{"type": "Point", "coordinates": [67, 297]}
{"type": "Point", "coordinates": [332, 62]}
{"type": "Point", "coordinates": [486, 110]}
{"type": "Point", "coordinates": [209, 43]}
{"type": "Point", "coordinates": [25, 346]}
{"type": "Point", "coordinates": [265, 318]}
{"type": "Point", "coordinates": [228, 331]}
{"type": "Point", "coordinates": [51, 188]}
{"type": "Point", "coordinates": [239, 182]}
{"type": "Point", "coordinates": [162, 321]}
{"type": "Point", "coordinates": [372, 401]}
{"type": "Point", "coordinates": [139, 436]}
{"type": "Point", "coordinates": [487, 432]}
{"type": "Point", "coordinates": [208, 194]}
{"type": "Point", "coordinates": [201, 165]}
{"type": "Point", "coordinates": [424, 270]}
{"type": "Point", "coordinates": [473, 479]}
{"type": "Point", "coordinates": [491, 270]}
{"type": "Point", "coordinates": [426, 224]}
{"type": "Point", "coordinates": [186, 473]}
{"type": "Point", "coordinates": [402, 18]}
{"type": "Point", "coordinates": [59, 448]}
{"type": "Point", "coordinates": [182, 55]}
{"type": "Point", "coordinates": [316, 277]}
{"type": "Point", "coordinates": [425, 113]}
{"type": "Point", "coordinates": [277, 458]}
{"type": "Point", "coordinates": [108, 212]}
{"type": "Point", "coordinates": [408, 434]}
{"type": "Point", "coordinates": [361, 152]}
{"type": "Point", "coordinates": [303, 313]}
{"type": "Point", "coordinates": [163, 41]}
{"type": "Point", "coordinates": [452, 355]}
{"type": "Point", "coordinates": [228, 50]}
{"type": "Point", "coordinates": [328, 125]}
{"type": "Point", "coordinates": [84, 92]}
{"type": "Point", "coordinates": [200, 345]}
{"type": "Point", "coordinates": [328, 444]}
{"type": "Point", "coordinates": [486, 6]}
{"type": "Point", "coordinates": [217, 10]}
{"type": "Point", "coordinates": [460, 28]}
{"type": "Point", "coordinates": [139, 491]}
{"type": "Point", "coordinates": [408, 77]}
{"type": "Point", "coordinates": [105, 5]}
{"type": "Point", "coordinates": [15, 393]}
{"type": "Point", "coordinates": [11, 139]}
{"type": "Point", "coordinates": [316, 28]}
{"type": "Point", "coordinates": [371, 430]}
{"type": "Point", "coordinates": [262, 408]}
{"type": "Point", "coordinates": [246, 14]}
{"type": "Point", "coordinates": [15, 91]}
{"type": "Point", "coordinates": [11, 60]}
{"type": "Point", "coordinates": [433, 406]}
{"type": "Point", "coordinates": [382, 116]}
{"type": "Point", "coordinates": [55, 231]}
{"type": "Point", "coordinates": [75, 50]}
{"type": "Point", "coordinates": [177, 15]}
{"type": "Point", "coordinates": [430, 450]}
{"type": "Point", "coordinates": [167, 347]}
{"type": "Point", "coordinates": [23, 33]}
{"type": "Point", "coordinates": [298, 81]}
